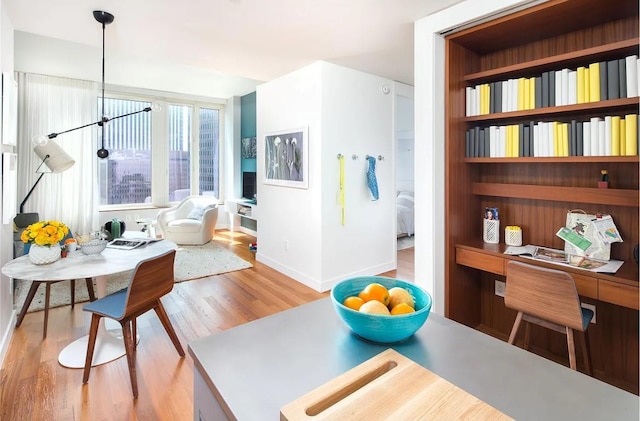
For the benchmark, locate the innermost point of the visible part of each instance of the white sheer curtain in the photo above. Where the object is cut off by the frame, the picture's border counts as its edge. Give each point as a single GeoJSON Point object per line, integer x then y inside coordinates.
{"type": "Point", "coordinates": [48, 104]}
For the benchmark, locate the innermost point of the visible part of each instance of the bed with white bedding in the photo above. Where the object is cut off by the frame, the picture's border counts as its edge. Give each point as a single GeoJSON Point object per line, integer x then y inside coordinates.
{"type": "Point", "coordinates": [405, 213]}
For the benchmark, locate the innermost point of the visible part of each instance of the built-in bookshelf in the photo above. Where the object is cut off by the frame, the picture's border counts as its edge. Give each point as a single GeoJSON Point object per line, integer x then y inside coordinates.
{"type": "Point", "coordinates": [535, 192]}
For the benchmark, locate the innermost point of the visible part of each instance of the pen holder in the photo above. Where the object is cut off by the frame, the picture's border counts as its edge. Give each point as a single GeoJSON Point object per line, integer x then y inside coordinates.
{"type": "Point", "coordinates": [513, 235]}
{"type": "Point", "coordinates": [491, 231]}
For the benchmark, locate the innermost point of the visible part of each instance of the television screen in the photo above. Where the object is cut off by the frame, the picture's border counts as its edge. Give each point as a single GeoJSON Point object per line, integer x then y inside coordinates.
{"type": "Point", "coordinates": [249, 185]}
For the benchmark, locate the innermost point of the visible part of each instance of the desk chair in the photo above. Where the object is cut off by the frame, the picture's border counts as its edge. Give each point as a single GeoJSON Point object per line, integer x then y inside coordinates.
{"type": "Point", "coordinates": [36, 284]}
{"type": "Point", "coordinates": [548, 298]}
{"type": "Point", "coordinates": [150, 280]}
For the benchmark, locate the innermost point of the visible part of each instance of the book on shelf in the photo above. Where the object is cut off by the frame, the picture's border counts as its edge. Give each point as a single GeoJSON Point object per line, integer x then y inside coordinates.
{"type": "Point", "coordinates": [559, 257]}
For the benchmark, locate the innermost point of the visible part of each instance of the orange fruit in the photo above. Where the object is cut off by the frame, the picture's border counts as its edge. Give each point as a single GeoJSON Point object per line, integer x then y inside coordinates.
{"type": "Point", "coordinates": [353, 302]}
{"type": "Point", "coordinates": [375, 291]}
{"type": "Point", "coordinates": [70, 240]}
{"type": "Point", "coordinates": [374, 307]}
{"type": "Point", "coordinates": [402, 308]}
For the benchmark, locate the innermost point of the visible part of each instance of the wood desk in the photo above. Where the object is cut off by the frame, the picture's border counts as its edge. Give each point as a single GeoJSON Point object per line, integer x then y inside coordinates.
{"type": "Point", "coordinates": [251, 371]}
{"type": "Point", "coordinates": [620, 288]}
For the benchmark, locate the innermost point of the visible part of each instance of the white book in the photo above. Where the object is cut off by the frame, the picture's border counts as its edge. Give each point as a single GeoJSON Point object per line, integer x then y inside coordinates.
{"type": "Point", "coordinates": [565, 86]}
{"type": "Point", "coordinates": [607, 136]}
{"type": "Point", "coordinates": [468, 92]}
{"type": "Point", "coordinates": [573, 83]}
{"type": "Point", "coordinates": [552, 139]}
{"type": "Point", "coordinates": [493, 138]}
{"type": "Point", "coordinates": [632, 75]}
{"type": "Point", "coordinates": [594, 136]}
{"type": "Point", "coordinates": [602, 139]}
{"type": "Point", "coordinates": [502, 143]}
{"type": "Point", "coordinates": [559, 88]}
{"type": "Point", "coordinates": [536, 140]}
{"type": "Point", "coordinates": [513, 92]}
{"type": "Point", "coordinates": [505, 96]}
{"type": "Point", "coordinates": [476, 102]}
{"type": "Point", "coordinates": [586, 138]}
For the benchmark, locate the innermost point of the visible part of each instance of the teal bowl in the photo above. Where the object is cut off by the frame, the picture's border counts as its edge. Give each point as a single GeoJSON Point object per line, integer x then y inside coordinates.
{"type": "Point", "coordinates": [375, 327]}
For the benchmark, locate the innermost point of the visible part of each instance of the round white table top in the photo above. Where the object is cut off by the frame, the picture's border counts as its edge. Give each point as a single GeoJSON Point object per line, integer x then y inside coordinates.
{"type": "Point", "coordinates": [78, 265]}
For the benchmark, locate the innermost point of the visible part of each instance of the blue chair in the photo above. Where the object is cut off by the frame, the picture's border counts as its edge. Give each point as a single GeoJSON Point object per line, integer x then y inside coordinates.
{"type": "Point", "coordinates": [150, 280]}
{"type": "Point", "coordinates": [36, 284]}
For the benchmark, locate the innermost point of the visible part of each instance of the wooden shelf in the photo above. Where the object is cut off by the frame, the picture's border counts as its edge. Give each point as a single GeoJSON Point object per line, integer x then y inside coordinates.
{"type": "Point", "coordinates": [610, 107]}
{"type": "Point", "coordinates": [574, 58]}
{"type": "Point", "coordinates": [615, 197]}
{"type": "Point", "coordinates": [554, 160]}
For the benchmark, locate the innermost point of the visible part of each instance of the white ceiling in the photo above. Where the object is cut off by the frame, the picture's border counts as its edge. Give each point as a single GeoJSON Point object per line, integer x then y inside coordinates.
{"type": "Point", "coordinates": [255, 39]}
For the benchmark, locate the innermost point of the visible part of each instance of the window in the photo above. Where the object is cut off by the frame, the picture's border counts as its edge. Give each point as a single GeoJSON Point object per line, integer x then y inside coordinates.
{"type": "Point", "coordinates": [159, 157]}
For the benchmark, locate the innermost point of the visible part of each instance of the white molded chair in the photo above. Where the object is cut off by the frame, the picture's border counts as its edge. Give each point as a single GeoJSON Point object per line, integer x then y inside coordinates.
{"type": "Point", "coordinates": [191, 222]}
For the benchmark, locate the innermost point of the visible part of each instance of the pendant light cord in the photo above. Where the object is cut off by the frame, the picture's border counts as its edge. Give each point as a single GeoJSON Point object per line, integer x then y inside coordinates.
{"type": "Point", "coordinates": [103, 120]}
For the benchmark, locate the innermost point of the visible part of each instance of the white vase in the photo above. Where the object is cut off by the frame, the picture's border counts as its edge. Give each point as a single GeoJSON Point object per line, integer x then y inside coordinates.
{"type": "Point", "coordinates": [43, 255]}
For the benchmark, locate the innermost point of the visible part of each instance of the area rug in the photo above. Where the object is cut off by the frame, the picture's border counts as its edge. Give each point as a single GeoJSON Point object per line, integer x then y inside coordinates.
{"type": "Point", "coordinates": [192, 262]}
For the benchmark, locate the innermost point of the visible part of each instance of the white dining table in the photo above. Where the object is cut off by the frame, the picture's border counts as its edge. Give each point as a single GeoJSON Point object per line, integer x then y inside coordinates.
{"type": "Point", "coordinates": [77, 265]}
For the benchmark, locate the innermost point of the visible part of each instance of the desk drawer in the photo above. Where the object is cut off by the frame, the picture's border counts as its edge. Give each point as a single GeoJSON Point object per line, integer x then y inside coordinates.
{"type": "Point", "coordinates": [620, 294]}
{"type": "Point", "coordinates": [482, 261]}
{"type": "Point", "coordinates": [586, 285]}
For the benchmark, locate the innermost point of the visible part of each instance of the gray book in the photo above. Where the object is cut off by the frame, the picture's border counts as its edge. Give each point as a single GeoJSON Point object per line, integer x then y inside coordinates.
{"type": "Point", "coordinates": [545, 89]}
{"type": "Point", "coordinates": [604, 81]}
{"type": "Point", "coordinates": [538, 92]}
{"type": "Point", "coordinates": [613, 85]}
{"type": "Point", "coordinates": [622, 77]}
{"type": "Point", "coordinates": [552, 89]}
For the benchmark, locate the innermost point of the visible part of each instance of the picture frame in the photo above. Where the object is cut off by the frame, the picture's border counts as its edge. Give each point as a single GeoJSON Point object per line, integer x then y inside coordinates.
{"type": "Point", "coordinates": [249, 147]}
{"type": "Point", "coordinates": [287, 158]}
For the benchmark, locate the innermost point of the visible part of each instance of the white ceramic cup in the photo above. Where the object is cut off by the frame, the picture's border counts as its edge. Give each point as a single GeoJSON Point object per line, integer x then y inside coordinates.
{"type": "Point", "coordinates": [71, 246]}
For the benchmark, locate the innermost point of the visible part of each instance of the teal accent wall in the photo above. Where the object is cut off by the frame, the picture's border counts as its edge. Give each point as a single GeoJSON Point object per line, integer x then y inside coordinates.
{"type": "Point", "coordinates": [248, 126]}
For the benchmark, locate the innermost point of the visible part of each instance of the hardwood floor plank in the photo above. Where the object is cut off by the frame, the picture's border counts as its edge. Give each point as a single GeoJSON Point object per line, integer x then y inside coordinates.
{"type": "Point", "coordinates": [33, 386]}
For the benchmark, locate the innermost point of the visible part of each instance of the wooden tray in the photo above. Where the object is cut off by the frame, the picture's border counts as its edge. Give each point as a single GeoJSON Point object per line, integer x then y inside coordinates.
{"type": "Point", "coordinates": [388, 386]}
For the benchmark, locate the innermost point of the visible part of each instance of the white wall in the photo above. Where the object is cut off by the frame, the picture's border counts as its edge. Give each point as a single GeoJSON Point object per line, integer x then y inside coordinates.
{"type": "Point", "coordinates": [404, 123]}
{"type": "Point", "coordinates": [300, 230]}
{"type": "Point", "coordinates": [7, 313]}
{"type": "Point", "coordinates": [430, 139]}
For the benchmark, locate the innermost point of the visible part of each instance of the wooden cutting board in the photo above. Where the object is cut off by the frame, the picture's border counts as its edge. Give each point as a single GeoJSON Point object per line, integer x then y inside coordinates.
{"type": "Point", "coordinates": [389, 386]}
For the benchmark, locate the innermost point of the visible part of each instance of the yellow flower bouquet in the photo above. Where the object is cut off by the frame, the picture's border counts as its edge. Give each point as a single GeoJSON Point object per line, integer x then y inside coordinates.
{"type": "Point", "coordinates": [44, 233]}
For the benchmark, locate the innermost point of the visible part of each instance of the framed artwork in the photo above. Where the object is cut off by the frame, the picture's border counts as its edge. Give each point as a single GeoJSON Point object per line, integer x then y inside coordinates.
{"type": "Point", "coordinates": [287, 158]}
{"type": "Point", "coordinates": [9, 109]}
{"type": "Point", "coordinates": [249, 147]}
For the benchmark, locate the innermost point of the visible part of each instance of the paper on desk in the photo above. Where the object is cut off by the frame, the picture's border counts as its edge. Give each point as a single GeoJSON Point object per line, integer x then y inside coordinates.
{"type": "Point", "coordinates": [594, 265]}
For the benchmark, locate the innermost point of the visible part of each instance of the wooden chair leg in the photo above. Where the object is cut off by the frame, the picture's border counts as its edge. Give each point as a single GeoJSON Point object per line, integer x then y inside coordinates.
{"type": "Point", "coordinates": [131, 357]}
{"type": "Point", "coordinates": [164, 319]}
{"type": "Point", "coordinates": [134, 332]}
{"type": "Point", "coordinates": [514, 329]}
{"type": "Point", "coordinates": [92, 294]}
{"type": "Point", "coordinates": [527, 334]}
{"type": "Point", "coordinates": [572, 348]}
{"type": "Point", "coordinates": [72, 282]}
{"type": "Point", "coordinates": [93, 333]}
{"type": "Point", "coordinates": [27, 302]}
{"type": "Point", "coordinates": [46, 310]}
{"type": "Point", "coordinates": [586, 352]}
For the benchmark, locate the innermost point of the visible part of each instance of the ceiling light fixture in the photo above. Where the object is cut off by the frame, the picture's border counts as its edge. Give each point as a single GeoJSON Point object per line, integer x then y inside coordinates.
{"type": "Point", "coordinates": [105, 18]}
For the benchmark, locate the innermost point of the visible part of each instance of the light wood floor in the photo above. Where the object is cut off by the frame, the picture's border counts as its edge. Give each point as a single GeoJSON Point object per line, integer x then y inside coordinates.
{"type": "Point", "coordinates": [33, 386]}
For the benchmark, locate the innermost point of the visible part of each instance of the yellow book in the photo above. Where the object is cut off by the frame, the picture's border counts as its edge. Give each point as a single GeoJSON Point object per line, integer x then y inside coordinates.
{"type": "Point", "coordinates": [615, 135]}
{"type": "Point", "coordinates": [515, 139]}
{"type": "Point", "coordinates": [507, 152]}
{"type": "Point", "coordinates": [485, 98]}
{"type": "Point", "coordinates": [556, 138]}
{"type": "Point", "coordinates": [532, 93]}
{"type": "Point", "coordinates": [587, 83]}
{"type": "Point", "coordinates": [594, 82]}
{"type": "Point", "coordinates": [521, 93]}
{"type": "Point", "coordinates": [580, 85]}
{"type": "Point", "coordinates": [623, 137]}
{"type": "Point", "coordinates": [631, 134]}
{"type": "Point", "coordinates": [565, 139]}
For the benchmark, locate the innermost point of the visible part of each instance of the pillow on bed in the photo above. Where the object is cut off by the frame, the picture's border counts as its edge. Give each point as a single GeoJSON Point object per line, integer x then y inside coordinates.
{"type": "Point", "coordinates": [405, 199]}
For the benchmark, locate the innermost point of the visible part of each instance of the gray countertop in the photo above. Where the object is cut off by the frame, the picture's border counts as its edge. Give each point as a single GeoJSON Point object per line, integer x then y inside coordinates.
{"type": "Point", "coordinates": [257, 368]}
